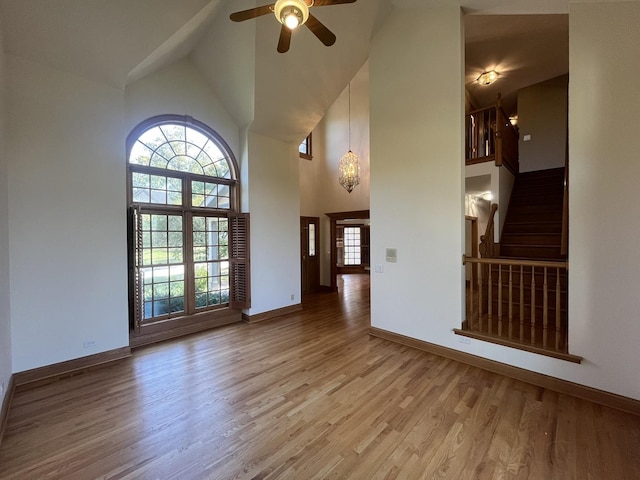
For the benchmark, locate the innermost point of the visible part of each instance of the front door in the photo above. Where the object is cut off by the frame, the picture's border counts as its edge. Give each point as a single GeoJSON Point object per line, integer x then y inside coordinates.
{"type": "Point", "coordinates": [309, 251]}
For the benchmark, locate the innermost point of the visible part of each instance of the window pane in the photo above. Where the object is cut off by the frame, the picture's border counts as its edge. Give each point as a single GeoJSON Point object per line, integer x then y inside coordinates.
{"type": "Point", "coordinates": [174, 184]}
{"type": "Point", "coordinates": [210, 237]}
{"type": "Point", "coordinates": [197, 200]}
{"type": "Point", "coordinates": [178, 147]}
{"type": "Point", "coordinates": [210, 195]}
{"type": "Point", "coordinates": [174, 198]}
{"type": "Point", "coordinates": [175, 239]}
{"type": "Point", "coordinates": [352, 246]}
{"type": "Point", "coordinates": [162, 281]}
{"type": "Point", "coordinates": [140, 180]}
{"type": "Point", "coordinates": [141, 195]}
{"type": "Point", "coordinates": [158, 196]}
{"type": "Point", "coordinates": [161, 290]}
{"type": "Point", "coordinates": [159, 239]}
{"type": "Point", "coordinates": [173, 132]}
{"type": "Point", "coordinates": [175, 223]}
{"type": "Point", "coordinates": [152, 138]}
{"type": "Point", "coordinates": [312, 240]}
{"type": "Point", "coordinates": [174, 255]}
{"type": "Point", "coordinates": [159, 222]}
{"type": "Point", "coordinates": [196, 138]}
{"type": "Point", "coordinates": [156, 189]}
{"type": "Point", "coordinates": [140, 154]}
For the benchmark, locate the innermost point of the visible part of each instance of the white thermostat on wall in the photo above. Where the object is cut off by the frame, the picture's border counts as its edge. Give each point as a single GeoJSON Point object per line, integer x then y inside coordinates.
{"type": "Point", "coordinates": [392, 255]}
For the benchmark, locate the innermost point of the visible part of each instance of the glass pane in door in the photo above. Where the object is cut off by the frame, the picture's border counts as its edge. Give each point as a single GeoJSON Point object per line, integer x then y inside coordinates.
{"type": "Point", "coordinates": [162, 269]}
{"type": "Point", "coordinates": [211, 261]}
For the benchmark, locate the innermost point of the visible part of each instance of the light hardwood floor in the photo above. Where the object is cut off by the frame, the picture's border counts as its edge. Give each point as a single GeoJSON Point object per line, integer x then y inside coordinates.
{"type": "Point", "coordinates": [309, 396]}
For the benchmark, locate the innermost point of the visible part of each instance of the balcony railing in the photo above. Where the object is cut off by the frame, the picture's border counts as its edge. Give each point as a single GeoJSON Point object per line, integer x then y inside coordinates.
{"type": "Point", "coordinates": [491, 137]}
{"type": "Point", "coordinates": [519, 303]}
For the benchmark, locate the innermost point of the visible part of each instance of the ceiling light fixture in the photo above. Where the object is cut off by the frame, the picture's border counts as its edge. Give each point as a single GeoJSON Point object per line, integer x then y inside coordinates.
{"type": "Point", "coordinates": [291, 13]}
{"type": "Point", "coordinates": [487, 78]}
{"type": "Point", "coordinates": [349, 166]}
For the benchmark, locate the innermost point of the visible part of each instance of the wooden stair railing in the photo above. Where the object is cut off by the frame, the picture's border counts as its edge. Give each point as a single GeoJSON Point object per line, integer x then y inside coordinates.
{"type": "Point", "coordinates": [519, 303]}
{"type": "Point", "coordinates": [491, 137]}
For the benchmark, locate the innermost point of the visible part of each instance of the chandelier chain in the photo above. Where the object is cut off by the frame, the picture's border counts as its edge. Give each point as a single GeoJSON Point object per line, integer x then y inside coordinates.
{"type": "Point", "coordinates": [349, 116]}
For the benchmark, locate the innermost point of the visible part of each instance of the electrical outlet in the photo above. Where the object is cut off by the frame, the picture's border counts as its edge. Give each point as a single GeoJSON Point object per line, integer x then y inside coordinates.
{"type": "Point", "coordinates": [2, 391]}
{"type": "Point", "coordinates": [293, 296]}
{"type": "Point", "coordinates": [89, 343]}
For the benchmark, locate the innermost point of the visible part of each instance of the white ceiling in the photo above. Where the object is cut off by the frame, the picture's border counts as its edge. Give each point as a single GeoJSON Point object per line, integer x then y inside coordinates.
{"type": "Point", "coordinates": [524, 49]}
{"type": "Point", "coordinates": [280, 95]}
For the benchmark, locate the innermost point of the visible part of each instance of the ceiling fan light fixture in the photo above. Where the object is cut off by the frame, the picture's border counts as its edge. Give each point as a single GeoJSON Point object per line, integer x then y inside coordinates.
{"type": "Point", "coordinates": [487, 78]}
{"type": "Point", "coordinates": [291, 13]}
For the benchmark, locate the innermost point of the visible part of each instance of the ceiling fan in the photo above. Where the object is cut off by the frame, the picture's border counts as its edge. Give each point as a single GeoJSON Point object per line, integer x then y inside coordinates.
{"type": "Point", "coordinates": [291, 14]}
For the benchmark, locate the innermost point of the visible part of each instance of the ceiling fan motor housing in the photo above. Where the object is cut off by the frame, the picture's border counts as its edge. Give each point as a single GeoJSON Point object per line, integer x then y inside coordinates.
{"type": "Point", "coordinates": [285, 8]}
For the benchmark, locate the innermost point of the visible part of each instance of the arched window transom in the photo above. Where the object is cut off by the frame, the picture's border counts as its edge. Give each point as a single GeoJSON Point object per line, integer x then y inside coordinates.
{"type": "Point", "coordinates": [181, 148]}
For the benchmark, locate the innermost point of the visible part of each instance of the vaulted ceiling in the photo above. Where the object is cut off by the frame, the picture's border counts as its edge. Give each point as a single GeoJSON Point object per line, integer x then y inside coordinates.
{"type": "Point", "coordinates": [118, 42]}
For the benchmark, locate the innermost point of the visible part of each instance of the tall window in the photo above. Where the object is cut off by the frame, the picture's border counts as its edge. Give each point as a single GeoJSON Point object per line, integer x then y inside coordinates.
{"type": "Point", "coordinates": [184, 230]}
{"type": "Point", "coordinates": [352, 246]}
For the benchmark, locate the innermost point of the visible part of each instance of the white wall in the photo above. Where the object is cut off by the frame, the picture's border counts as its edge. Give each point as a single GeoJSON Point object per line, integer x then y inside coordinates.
{"type": "Point", "coordinates": [5, 310]}
{"type": "Point", "coordinates": [417, 178]}
{"type": "Point", "coordinates": [179, 89]}
{"type": "Point", "coordinates": [604, 277]}
{"type": "Point", "coordinates": [274, 205]}
{"type": "Point", "coordinates": [542, 114]}
{"type": "Point", "coordinates": [67, 216]}
{"type": "Point", "coordinates": [320, 192]}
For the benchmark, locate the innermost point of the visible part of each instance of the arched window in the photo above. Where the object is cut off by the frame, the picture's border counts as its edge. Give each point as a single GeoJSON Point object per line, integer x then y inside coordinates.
{"type": "Point", "coordinates": [187, 244]}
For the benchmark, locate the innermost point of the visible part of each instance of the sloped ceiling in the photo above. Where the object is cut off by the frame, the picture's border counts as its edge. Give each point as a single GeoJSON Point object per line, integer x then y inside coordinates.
{"type": "Point", "coordinates": [279, 95]}
{"type": "Point", "coordinates": [99, 40]}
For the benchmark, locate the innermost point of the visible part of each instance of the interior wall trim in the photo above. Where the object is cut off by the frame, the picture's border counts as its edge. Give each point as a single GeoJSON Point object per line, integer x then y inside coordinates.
{"type": "Point", "coordinates": [6, 406]}
{"type": "Point", "coordinates": [601, 397]}
{"type": "Point", "coordinates": [278, 312]}
{"type": "Point", "coordinates": [52, 373]}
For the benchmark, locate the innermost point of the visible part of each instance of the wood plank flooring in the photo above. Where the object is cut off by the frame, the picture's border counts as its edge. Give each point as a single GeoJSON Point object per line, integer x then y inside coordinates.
{"type": "Point", "coordinates": [309, 396]}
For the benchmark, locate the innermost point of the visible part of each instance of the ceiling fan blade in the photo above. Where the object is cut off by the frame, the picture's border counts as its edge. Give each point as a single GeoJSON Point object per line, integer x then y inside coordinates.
{"type": "Point", "coordinates": [285, 40]}
{"type": "Point", "coordinates": [251, 13]}
{"type": "Point", "coordinates": [325, 35]}
{"type": "Point", "coordinates": [324, 3]}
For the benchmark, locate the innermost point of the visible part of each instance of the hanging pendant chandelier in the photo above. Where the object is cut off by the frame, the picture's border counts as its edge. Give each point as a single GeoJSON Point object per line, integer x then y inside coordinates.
{"type": "Point", "coordinates": [349, 166]}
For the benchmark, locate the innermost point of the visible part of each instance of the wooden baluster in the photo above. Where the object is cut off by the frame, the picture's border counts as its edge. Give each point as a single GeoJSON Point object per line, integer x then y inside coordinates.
{"type": "Point", "coordinates": [480, 309]}
{"type": "Point", "coordinates": [545, 309]}
{"type": "Point", "coordinates": [533, 305]}
{"type": "Point", "coordinates": [498, 133]}
{"type": "Point", "coordinates": [490, 301]}
{"type": "Point", "coordinates": [510, 301]}
{"type": "Point", "coordinates": [471, 304]}
{"type": "Point", "coordinates": [558, 305]}
{"type": "Point", "coordinates": [500, 300]}
{"type": "Point", "coordinates": [521, 303]}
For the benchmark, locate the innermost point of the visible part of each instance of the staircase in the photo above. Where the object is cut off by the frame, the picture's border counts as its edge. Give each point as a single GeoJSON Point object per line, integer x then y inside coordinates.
{"type": "Point", "coordinates": [533, 227]}
{"type": "Point", "coordinates": [526, 302]}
